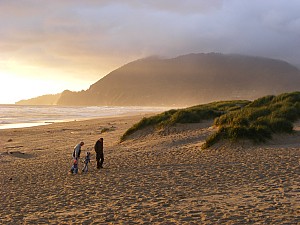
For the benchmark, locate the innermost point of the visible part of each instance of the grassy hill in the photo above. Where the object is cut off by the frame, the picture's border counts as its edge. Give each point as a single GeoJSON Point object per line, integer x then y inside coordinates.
{"type": "Point", "coordinates": [255, 120]}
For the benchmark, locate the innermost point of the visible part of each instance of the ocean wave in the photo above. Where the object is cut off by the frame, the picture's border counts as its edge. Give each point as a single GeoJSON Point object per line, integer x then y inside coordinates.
{"type": "Point", "coordinates": [4, 122]}
{"type": "Point", "coordinates": [19, 114]}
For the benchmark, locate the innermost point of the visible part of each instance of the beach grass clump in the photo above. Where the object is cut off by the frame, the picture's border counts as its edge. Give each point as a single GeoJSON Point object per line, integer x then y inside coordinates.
{"type": "Point", "coordinates": [194, 114]}
{"type": "Point", "coordinates": [105, 129]}
{"type": "Point", "coordinates": [258, 120]}
{"type": "Point", "coordinates": [242, 119]}
{"type": "Point", "coordinates": [263, 101]}
{"type": "Point", "coordinates": [148, 121]}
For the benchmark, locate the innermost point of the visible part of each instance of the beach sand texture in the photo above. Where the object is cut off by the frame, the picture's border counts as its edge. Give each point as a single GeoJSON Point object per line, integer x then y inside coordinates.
{"type": "Point", "coordinates": [160, 177]}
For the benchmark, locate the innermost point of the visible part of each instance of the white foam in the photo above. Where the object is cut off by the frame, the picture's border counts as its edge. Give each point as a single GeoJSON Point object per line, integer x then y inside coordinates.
{"type": "Point", "coordinates": [17, 116]}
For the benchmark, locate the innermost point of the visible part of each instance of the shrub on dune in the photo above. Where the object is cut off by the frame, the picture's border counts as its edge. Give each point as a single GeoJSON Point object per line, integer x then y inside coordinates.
{"type": "Point", "coordinates": [242, 119]}
{"type": "Point", "coordinates": [194, 114]}
{"type": "Point", "coordinates": [259, 119]}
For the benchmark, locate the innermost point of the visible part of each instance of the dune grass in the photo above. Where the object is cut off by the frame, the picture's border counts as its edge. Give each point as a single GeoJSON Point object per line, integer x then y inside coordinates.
{"type": "Point", "coordinates": [194, 114]}
{"type": "Point", "coordinates": [242, 119]}
{"type": "Point", "coordinates": [258, 120]}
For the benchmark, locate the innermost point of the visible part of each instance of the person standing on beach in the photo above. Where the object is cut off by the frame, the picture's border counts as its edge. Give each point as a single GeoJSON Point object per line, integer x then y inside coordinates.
{"type": "Point", "coordinates": [77, 150]}
{"type": "Point", "coordinates": [76, 156]}
{"type": "Point", "coordinates": [99, 153]}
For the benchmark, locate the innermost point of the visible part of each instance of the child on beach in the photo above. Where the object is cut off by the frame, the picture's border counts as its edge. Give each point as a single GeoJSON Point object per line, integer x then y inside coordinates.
{"type": "Point", "coordinates": [86, 161]}
{"type": "Point", "coordinates": [74, 168]}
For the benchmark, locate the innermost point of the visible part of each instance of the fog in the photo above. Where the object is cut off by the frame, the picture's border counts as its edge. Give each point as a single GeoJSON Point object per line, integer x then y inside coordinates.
{"type": "Point", "coordinates": [87, 39]}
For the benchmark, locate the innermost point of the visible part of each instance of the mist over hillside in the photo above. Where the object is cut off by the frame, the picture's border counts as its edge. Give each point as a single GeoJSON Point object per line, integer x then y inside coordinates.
{"type": "Point", "coordinates": [188, 80]}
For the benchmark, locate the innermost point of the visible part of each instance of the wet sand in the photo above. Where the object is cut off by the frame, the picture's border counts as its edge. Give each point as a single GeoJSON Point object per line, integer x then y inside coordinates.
{"type": "Point", "coordinates": [160, 177]}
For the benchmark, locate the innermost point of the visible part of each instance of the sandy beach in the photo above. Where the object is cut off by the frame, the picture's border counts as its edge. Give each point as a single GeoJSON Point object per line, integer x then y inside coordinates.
{"type": "Point", "coordinates": [160, 177]}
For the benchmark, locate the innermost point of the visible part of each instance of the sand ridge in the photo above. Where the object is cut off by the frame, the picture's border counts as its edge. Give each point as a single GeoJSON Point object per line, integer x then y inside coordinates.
{"type": "Point", "coordinates": [160, 177]}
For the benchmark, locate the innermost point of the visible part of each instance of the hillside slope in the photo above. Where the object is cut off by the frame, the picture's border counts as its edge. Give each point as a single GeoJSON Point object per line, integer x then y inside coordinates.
{"type": "Point", "coordinates": [41, 100]}
{"type": "Point", "coordinates": [188, 80]}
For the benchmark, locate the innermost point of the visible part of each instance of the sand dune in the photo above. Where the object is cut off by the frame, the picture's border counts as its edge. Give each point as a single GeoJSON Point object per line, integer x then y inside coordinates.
{"type": "Point", "coordinates": [160, 177]}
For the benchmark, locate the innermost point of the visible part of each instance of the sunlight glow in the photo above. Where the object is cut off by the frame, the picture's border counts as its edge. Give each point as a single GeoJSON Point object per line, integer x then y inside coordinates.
{"type": "Point", "coordinates": [17, 87]}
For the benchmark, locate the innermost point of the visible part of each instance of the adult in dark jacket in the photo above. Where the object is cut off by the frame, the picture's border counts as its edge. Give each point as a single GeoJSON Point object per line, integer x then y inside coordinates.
{"type": "Point", "coordinates": [99, 153]}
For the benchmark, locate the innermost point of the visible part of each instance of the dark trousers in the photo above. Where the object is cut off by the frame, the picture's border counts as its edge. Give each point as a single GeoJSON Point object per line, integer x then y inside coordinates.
{"type": "Point", "coordinates": [100, 160]}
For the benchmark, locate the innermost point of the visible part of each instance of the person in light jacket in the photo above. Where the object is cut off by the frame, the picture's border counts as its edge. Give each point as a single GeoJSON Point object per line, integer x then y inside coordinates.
{"type": "Point", "coordinates": [77, 150]}
{"type": "Point", "coordinates": [76, 156]}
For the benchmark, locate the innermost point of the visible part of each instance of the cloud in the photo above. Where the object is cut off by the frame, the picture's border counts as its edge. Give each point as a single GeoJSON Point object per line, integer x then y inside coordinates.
{"type": "Point", "coordinates": [90, 38]}
{"type": "Point", "coordinates": [176, 6]}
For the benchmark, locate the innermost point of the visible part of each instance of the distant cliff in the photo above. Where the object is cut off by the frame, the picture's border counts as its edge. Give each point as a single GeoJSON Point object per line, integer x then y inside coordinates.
{"type": "Point", "coordinates": [188, 80]}
{"type": "Point", "coordinates": [41, 100]}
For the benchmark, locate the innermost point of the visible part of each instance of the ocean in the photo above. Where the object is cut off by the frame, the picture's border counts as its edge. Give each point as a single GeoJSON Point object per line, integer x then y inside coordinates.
{"type": "Point", "coordinates": [17, 116]}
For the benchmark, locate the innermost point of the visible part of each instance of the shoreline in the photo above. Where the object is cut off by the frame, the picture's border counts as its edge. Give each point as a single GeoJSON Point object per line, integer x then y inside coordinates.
{"type": "Point", "coordinates": [28, 116]}
{"type": "Point", "coordinates": [47, 122]}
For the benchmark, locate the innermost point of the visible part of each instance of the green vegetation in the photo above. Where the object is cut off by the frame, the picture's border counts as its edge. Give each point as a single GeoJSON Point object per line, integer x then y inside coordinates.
{"type": "Point", "coordinates": [193, 114]}
{"type": "Point", "coordinates": [256, 120]}
{"type": "Point", "coordinates": [105, 129]}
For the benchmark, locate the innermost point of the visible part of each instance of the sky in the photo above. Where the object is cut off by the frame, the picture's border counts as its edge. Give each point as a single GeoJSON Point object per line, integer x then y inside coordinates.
{"type": "Point", "coordinates": [49, 46]}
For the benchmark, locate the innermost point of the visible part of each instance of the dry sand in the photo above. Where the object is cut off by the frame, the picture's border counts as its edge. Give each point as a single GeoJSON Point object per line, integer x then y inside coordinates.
{"type": "Point", "coordinates": [153, 178]}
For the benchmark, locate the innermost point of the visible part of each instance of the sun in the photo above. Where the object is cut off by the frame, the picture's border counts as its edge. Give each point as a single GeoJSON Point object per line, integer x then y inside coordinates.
{"type": "Point", "coordinates": [19, 81]}
{"type": "Point", "coordinates": [15, 87]}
